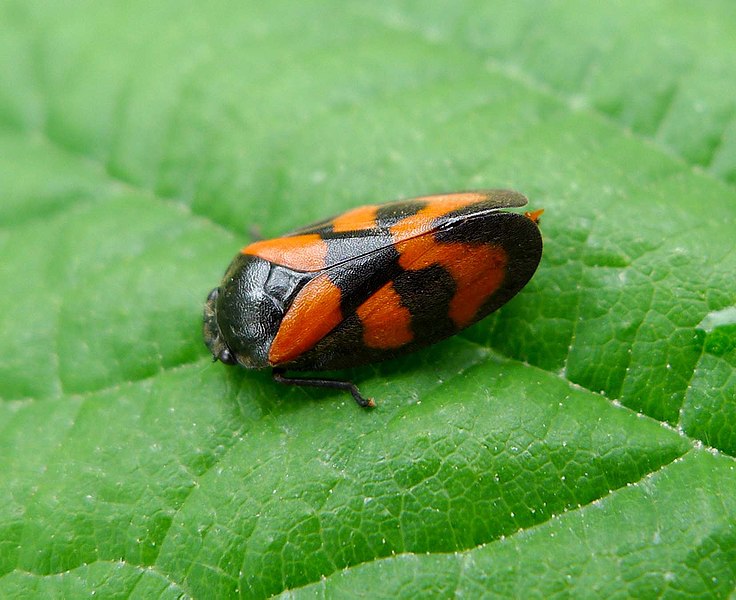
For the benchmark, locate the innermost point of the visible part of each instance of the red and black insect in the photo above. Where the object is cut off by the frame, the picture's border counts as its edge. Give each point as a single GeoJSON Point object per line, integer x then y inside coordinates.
{"type": "Point", "coordinates": [373, 283]}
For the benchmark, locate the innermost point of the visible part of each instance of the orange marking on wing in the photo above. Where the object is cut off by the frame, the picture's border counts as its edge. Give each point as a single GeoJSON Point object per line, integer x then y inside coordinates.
{"type": "Point", "coordinates": [312, 315]}
{"type": "Point", "coordinates": [478, 270]}
{"type": "Point", "coordinates": [423, 221]}
{"type": "Point", "coordinates": [534, 215]}
{"type": "Point", "coordinates": [300, 252]}
{"type": "Point", "coordinates": [386, 322]}
{"type": "Point", "coordinates": [464, 198]}
{"type": "Point", "coordinates": [363, 217]}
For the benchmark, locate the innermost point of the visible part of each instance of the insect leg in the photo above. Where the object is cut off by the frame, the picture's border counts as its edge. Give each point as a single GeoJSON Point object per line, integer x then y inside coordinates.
{"type": "Point", "coordinates": [278, 375]}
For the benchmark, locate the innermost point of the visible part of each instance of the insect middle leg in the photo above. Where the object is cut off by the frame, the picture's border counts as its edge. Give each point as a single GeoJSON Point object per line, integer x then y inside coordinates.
{"type": "Point", "coordinates": [348, 386]}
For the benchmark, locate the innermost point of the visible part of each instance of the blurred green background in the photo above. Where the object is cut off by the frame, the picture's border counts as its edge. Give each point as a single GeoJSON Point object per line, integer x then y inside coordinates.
{"type": "Point", "coordinates": [579, 442]}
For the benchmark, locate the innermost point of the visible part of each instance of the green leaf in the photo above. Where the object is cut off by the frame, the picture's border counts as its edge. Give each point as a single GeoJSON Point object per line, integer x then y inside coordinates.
{"type": "Point", "coordinates": [580, 441]}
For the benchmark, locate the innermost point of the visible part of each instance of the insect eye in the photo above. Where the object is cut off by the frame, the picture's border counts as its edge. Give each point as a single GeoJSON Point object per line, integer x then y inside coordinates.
{"type": "Point", "coordinates": [226, 357]}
